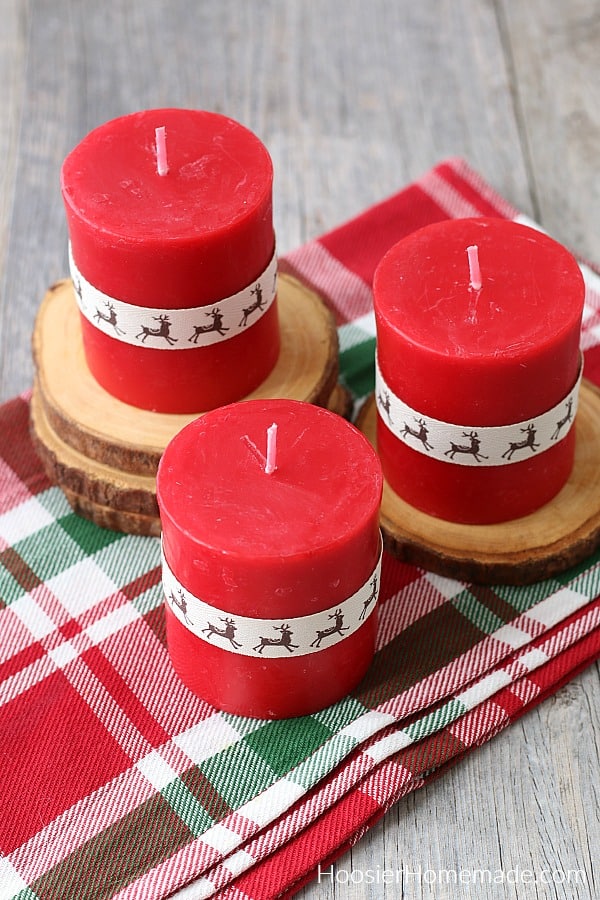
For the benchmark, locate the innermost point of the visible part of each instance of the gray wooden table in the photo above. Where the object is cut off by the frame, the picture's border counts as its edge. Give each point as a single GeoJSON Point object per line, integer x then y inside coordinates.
{"type": "Point", "coordinates": [353, 100]}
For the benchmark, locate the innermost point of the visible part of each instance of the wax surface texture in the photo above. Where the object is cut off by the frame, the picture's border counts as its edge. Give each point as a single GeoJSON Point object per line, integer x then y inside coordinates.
{"type": "Point", "coordinates": [189, 238]}
{"type": "Point", "coordinates": [286, 544]}
{"type": "Point", "coordinates": [492, 356]}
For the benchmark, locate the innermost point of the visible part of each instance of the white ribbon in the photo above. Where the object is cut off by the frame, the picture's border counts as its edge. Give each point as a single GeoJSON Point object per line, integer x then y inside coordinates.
{"type": "Point", "coordinates": [474, 445]}
{"type": "Point", "coordinates": [175, 329]}
{"type": "Point", "coordinates": [271, 638]}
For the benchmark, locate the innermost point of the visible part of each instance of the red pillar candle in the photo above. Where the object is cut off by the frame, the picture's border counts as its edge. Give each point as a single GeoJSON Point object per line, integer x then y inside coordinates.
{"type": "Point", "coordinates": [168, 210]}
{"type": "Point", "coordinates": [476, 339]}
{"type": "Point", "coordinates": [271, 551]}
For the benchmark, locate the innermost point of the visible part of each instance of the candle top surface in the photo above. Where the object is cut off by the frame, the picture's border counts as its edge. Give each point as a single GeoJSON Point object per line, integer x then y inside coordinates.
{"type": "Point", "coordinates": [531, 291]}
{"type": "Point", "coordinates": [219, 172]}
{"type": "Point", "coordinates": [212, 481]}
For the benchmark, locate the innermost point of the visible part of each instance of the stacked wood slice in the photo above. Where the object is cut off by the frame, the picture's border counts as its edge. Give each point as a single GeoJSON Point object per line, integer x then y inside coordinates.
{"type": "Point", "coordinates": [104, 453]}
{"type": "Point", "coordinates": [558, 535]}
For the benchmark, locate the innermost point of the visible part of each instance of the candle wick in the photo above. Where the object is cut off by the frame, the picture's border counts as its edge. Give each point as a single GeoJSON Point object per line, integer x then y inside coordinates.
{"type": "Point", "coordinates": [474, 270]}
{"type": "Point", "coordinates": [162, 165]}
{"type": "Point", "coordinates": [271, 463]}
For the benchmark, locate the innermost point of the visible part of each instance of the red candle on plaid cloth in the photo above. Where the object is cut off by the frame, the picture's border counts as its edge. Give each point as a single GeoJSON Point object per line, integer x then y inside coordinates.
{"type": "Point", "coordinates": [171, 210]}
{"type": "Point", "coordinates": [470, 341]}
{"type": "Point", "coordinates": [271, 556]}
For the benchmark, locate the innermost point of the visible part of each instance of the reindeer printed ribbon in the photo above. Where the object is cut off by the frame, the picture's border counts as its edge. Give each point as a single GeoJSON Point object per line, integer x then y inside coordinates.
{"type": "Point", "coordinates": [175, 329]}
{"type": "Point", "coordinates": [271, 638]}
{"type": "Point", "coordinates": [467, 445]}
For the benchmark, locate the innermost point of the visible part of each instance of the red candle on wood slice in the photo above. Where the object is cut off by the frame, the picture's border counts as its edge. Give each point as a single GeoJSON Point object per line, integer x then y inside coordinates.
{"type": "Point", "coordinates": [271, 544]}
{"type": "Point", "coordinates": [171, 210]}
{"type": "Point", "coordinates": [478, 326]}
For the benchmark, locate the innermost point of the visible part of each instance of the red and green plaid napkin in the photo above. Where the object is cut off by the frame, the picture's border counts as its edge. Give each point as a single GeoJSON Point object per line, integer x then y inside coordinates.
{"type": "Point", "coordinates": [117, 782]}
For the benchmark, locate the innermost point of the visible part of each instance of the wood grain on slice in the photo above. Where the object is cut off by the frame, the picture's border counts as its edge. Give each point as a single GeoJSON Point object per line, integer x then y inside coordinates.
{"type": "Point", "coordinates": [113, 519]}
{"type": "Point", "coordinates": [108, 496]}
{"type": "Point", "coordinates": [557, 536]}
{"type": "Point", "coordinates": [91, 421]}
{"type": "Point", "coordinates": [98, 482]}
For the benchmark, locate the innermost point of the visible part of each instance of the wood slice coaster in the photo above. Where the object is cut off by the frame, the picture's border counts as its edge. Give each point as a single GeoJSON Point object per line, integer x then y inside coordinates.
{"type": "Point", "coordinates": [104, 453]}
{"type": "Point", "coordinates": [91, 420]}
{"type": "Point", "coordinates": [557, 536]}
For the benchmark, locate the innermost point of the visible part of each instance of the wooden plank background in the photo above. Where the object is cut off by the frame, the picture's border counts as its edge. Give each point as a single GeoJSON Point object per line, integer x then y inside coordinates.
{"type": "Point", "coordinates": [353, 100]}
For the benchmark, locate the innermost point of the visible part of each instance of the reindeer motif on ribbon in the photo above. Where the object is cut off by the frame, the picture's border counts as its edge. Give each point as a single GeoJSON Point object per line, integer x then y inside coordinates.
{"type": "Point", "coordinates": [163, 330]}
{"type": "Point", "coordinates": [568, 417]}
{"type": "Point", "coordinates": [111, 318]}
{"type": "Point", "coordinates": [372, 596]}
{"type": "Point", "coordinates": [421, 435]}
{"type": "Point", "coordinates": [228, 632]}
{"type": "Point", "coordinates": [216, 325]}
{"type": "Point", "coordinates": [338, 627]}
{"type": "Point", "coordinates": [259, 303]}
{"type": "Point", "coordinates": [471, 449]}
{"type": "Point", "coordinates": [527, 442]}
{"type": "Point", "coordinates": [181, 603]}
{"type": "Point", "coordinates": [385, 403]}
{"type": "Point", "coordinates": [284, 640]}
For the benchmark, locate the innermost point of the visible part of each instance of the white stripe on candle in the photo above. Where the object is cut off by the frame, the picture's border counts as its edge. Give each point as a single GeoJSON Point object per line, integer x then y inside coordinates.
{"type": "Point", "coordinates": [200, 326]}
{"type": "Point", "coordinates": [475, 445]}
{"type": "Point", "coordinates": [248, 636]}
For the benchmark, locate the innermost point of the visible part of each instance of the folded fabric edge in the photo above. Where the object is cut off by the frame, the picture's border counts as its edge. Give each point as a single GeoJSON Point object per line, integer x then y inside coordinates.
{"type": "Point", "coordinates": [463, 720]}
{"type": "Point", "coordinates": [291, 867]}
{"type": "Point", "coordinates": [382, 743]}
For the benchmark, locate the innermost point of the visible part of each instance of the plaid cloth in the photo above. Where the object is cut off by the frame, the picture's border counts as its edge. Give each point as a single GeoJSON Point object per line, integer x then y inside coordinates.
{"type": "Point", "coordinates": [118, 782]}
